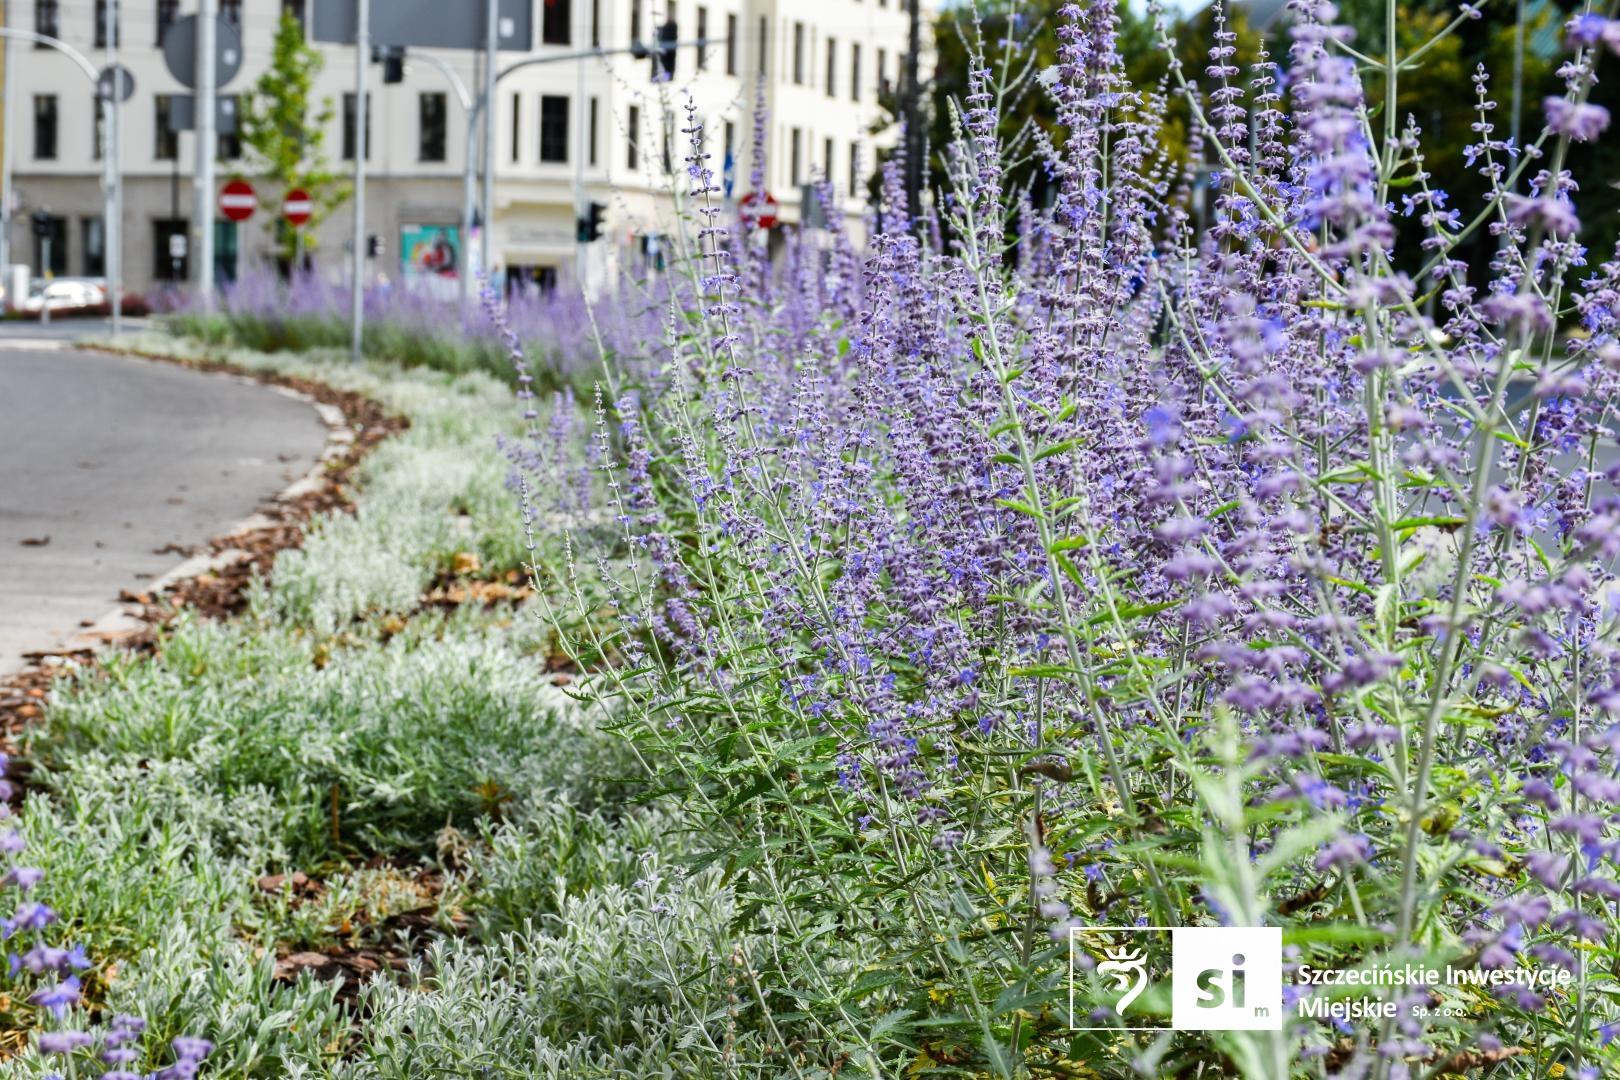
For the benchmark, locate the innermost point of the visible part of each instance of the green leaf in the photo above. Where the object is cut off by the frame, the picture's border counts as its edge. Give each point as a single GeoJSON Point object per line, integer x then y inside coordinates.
{"type": "Point", "coordinates": [1020, 507]}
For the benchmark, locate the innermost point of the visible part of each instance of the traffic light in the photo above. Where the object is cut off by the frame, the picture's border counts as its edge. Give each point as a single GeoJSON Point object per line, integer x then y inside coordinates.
{"type": "Point", "coordinates": [41, 221]}
{"type": "Point", "coordinates": [663, 57]}
{"type": "Point", "coordinates": [392, 58]}
{"type": "Point", "coordinates": [589, 227]}
{"type": "Point", "coordinates": [374, 246]}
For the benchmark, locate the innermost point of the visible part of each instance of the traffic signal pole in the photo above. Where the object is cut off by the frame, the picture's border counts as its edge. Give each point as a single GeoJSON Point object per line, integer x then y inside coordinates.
{"type": "Point", "coordinates": [207, 150]}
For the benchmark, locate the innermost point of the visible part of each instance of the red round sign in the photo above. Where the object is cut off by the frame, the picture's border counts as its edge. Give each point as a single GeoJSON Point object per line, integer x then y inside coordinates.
{"type": "Point", "coordinates": [237, 201]}
{"type": "Point", "coordinates": [758, 208]}
{"type": "Point", "coordinates": [297, 207]}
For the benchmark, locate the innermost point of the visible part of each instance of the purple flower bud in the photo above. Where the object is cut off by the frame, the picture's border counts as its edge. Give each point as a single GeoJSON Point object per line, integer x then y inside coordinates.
{"type": "Point", "coordinates": [63, 1042]}
{"type": "Point", "coordinates": [1540, 791]}
{"type": "Point", "coordinates": [22, 878]}
{"type": "Point", "coordinates": [1345, 850]}
{"type": "Point", "coordinates": [1547, 867]}
{"type": "Point", "coordinates": [59, 997]}
{"type": "Point", "coordinates": [1581, 122]}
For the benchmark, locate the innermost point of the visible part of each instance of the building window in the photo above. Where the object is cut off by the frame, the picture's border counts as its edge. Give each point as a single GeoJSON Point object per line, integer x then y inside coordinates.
{"type": "Point", "coordinates": [668, 144]}
{"type": "Point", "coordinates": [44, 127]}
{"type": "Point", "coordinates": [596, 24]}
{"type": "Point", "coordinates": [231, 12]}
{"type": "Point", "coordinates": [229, 145]}
{"type": "Point", "coordinates": [166, 141]}
{"type": "Point", "coordinates": [854, 71]}
{"type": "Point", "coordinates": [95, 251]}
{"type": "Point", "coordinates": [796, 157]}
{"type": "Point", "coordinates": [101, 26]}
{"type": "Point", "coordinates": [431, 119]}
{"type": "Point", "coordinates": [635, 21]}
{"type": "Point", "coordinates": [832, 66]}
{"type": "Point", "coordinates": [798, 54]}
{"type": "Point", "coordinates": [348, 127]}
{"type": "Point", "coordinates": [632, 160]}
{"type": "Point", "coordinates": [531, 280]}
{"type": "Point", "coordinates": [703, 33]}
{"type": "Point", "coordinates": [882, 66]}
{"type": "Point", "coordinates": [556, 18]}
{"type": "Point", "coordinates": [167, 266]}
{"type": "Point", "coordinates": [730, 144]}
{"type": "Point", "coordinates": [517, 128]}
{"type": "Point", "coordinates": [854, 169]}
{"type": "Point", "coordinates": [47, 20]}
{"type": "Point", "coordinates": [50, 250]}
{"type": "Point", "coordinates": [591, 148]}
{"type": "Point", "coordinates": [827, 160]}
{"type": "Point", "coordinates": [167, 12]}
{"type": "Point", "coordinates": [295, 8]}
{"type": "Point", "coordinates": [553, 128]}
{"type": "Point", "coordinates": [731, 44]}
{"type": "Point", "coordinates": [763, 46]}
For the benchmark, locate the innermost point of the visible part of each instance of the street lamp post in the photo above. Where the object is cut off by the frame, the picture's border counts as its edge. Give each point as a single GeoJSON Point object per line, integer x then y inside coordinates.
{"type": "Point", "coordinates": [362, 56]}
{"type": "Point", "coordinates": [112, 237]}
{"type": "Point", "coordinates": [109, 165]}
{"type": "Point", "coordinates": [207, 149]}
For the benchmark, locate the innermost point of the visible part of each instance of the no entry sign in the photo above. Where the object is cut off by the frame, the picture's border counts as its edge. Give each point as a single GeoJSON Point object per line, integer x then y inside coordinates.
{"type": "Point", "coordinates": [297, 207]}
{"type": "Point", "coordinates": [237, 201]}
{"type": "Point", "coordinates": [758, 209]}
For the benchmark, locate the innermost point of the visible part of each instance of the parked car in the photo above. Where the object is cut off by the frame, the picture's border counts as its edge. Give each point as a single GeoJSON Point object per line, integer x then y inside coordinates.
{"type": "Point", "coordinates": [65, 294]}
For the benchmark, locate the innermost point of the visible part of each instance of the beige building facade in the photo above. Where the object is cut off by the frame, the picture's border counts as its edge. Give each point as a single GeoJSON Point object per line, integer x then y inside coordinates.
{"type": "Point", "coordinates": [566, 133]}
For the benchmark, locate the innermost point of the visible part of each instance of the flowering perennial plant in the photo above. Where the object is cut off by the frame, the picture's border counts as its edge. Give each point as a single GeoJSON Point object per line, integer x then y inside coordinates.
{"type": "Point", "coordinates": [1059, 566]}
{"type": "Point", "coordinates": [417, 323]}
{"type": "Point", "coordinates": [55, 972]}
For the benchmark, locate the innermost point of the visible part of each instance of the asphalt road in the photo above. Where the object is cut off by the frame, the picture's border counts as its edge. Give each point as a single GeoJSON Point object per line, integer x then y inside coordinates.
{"type": "Point", "coordinates": [105, 461]}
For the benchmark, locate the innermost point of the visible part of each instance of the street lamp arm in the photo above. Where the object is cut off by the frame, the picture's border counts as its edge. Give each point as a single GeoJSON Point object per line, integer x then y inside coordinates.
{"type": "Point", "coordinates": [60, 46]}
{"type": "Point", "coordinates": [452, 77]}
{"type": "Point", "coordinates": [637, 50]}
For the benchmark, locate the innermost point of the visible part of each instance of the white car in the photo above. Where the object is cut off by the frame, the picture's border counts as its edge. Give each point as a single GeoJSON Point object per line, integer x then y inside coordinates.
{"type": "Point", "coordinates": [65, 293]}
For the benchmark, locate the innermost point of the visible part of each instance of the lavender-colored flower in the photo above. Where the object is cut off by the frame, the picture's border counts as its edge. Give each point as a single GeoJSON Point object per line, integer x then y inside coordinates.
{"type": "Point", "coordinates": [1346, 850]}
{"type": "Point", "coordinates": [63, 1042]}
{"type": "Point", "coordinates": [1582, 122]}
{"type": "Point", "coordinates": [58, 997]}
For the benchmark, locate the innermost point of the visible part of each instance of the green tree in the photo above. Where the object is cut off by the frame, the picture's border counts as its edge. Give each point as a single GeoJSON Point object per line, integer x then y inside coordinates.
{"type": "Point", "coordinates": [284, 131]}
{"type": "Point", "coordinates": [960, 27]}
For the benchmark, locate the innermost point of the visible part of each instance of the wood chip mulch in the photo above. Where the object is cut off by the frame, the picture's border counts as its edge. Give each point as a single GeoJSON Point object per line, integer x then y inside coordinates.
{"type": "Point", "coordinates": [368, 948]}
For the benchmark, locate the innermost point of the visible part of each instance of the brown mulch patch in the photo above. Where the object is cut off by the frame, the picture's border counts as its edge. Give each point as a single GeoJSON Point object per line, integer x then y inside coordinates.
{"type": "Point", "coordinates": [367, 947]}
{"type": "Point", "coordinates": [459, 585]}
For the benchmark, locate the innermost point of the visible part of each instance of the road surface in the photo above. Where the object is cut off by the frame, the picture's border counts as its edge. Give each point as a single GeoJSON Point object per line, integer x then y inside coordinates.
{"type": "Point", "coordinates": [106, 461]}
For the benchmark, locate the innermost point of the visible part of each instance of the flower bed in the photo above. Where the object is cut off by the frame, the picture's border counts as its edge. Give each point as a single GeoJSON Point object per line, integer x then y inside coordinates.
{"type": "Point", "coordinates": [1079, 569]}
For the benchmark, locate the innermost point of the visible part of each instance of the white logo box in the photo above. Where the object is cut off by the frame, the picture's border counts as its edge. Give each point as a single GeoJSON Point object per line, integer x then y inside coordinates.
{"type": "Point", "coordinates": [1222, 978]}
